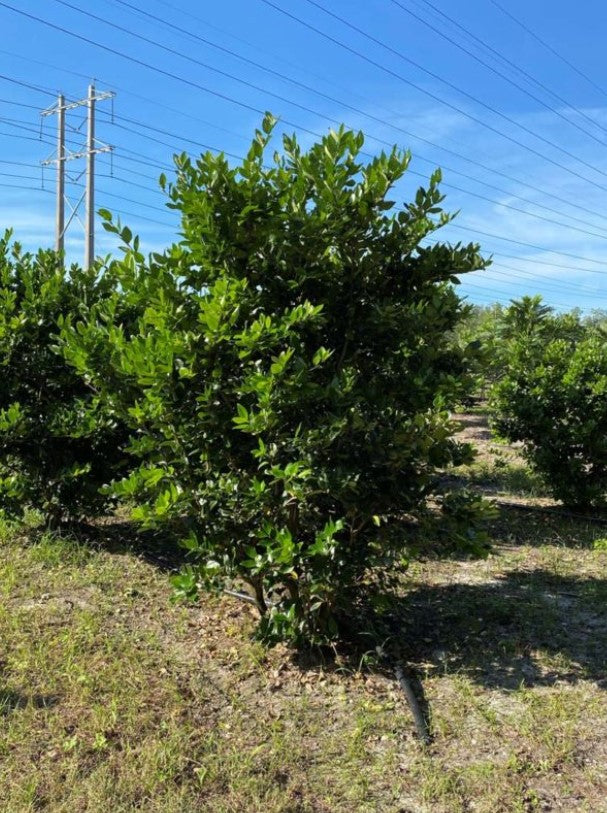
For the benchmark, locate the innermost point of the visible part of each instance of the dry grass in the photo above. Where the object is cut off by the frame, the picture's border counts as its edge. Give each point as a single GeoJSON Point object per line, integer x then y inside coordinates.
{"type": "Point", "coordinates": [114, 699]}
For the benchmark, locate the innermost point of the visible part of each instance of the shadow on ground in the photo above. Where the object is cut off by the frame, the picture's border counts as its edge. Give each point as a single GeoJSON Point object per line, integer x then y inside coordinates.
{"type": "Point", "coordinates": [123, 537]}
{"type": "Point", "coordinates": [542, 526]}
{"type": "Point", "coordinates": [528, 627]}
{"type": "Point", "coordinates": [531, 628]}
{"type": "Point", "coordinates": [11, 701]}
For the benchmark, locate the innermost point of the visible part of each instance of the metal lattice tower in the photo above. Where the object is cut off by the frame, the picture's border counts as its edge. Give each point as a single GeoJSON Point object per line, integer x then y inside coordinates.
{"type": "Point", "coordinates": [90, 147]}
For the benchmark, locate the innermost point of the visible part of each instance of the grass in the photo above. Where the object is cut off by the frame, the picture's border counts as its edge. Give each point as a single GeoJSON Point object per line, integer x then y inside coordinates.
{"type": "Point", "coordinates": [502, 476]}
{"type": "Point", "coordinates": [114, 699]}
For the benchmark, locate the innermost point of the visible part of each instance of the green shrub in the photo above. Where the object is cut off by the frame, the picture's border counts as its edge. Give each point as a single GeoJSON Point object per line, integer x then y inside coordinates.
{"type": "Point", "coordinates": [553, 398]}
{"type": "Point", "coordinates": [288, 380]}
{"type": "Point", "coordinates": [56, 446]}
{"type": "Point", "coordinates": [494, 327]}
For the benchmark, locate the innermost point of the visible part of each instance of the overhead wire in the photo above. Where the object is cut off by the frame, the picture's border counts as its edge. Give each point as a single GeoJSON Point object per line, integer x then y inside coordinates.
{"type": "Point", "coordinates": [499, 73]}
{"type": "Point", "coordinates": [445, 184]}
{"type": "Point", "coordinates": [273, 55]}
{"type": "Point", "coordinates": [586, 259]}
{"type": "Point", "coordinates": [549, 47]}
{"type": "Point", "coordinates": [306, 108]}
{"type": "Point", "coordinates": [480, 41]}
{"type": "Point", "coordinates": [532, 245]}
{"type": "Point", "coordinates": [30, 178]}
{"type": "Point", "coordinates": [22, 126]}
{"type": "Point", "coordinates": [460, 110]}
{"type": "Point", "coordinates": [549, 283]}
{"type": "Point", "coordinates": [135, 215]}
{"type": "Point", "coordinates": [504, 299]}
{"type": "Point", "coordinates": [19, 124]}
{"type": "Point", "coordinates": [120, 88]}
{"type": "Point", "coordinates": [504, 277]}
{"type": "Point", "coordinates": [308, 130]}
{"type": "Point", "coordinates": [206, 41]}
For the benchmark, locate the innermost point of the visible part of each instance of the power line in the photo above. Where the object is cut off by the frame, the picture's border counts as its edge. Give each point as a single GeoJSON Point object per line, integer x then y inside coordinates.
{"type": "Point", "coordinates": [518, 209]}
{"type": "Point", "coordinates": [463, 227]}
{"type": "Point", "coordinates": [21, 136]}
{"type": "Point", "coordinates": [381, 141]}
{"type": "Point", "coordinates": [530, 282]}
{"type": "Point", "coordinates": [563, 286]}
{"type": "Point", "coordinates": [548, 47]}
{"type": "Point", "coordinates": [515, 272]}
{"type": "Point", "coordinates": [534, 261]}
{"type": "Point", "coordinates": [28, 85]}
{"type": "Point", "coordinates": [23, 188]}
{"type": "Point", "coordinates": [488, 297]}
{"type": "Point", "coordinates": [20, 125]}
{"type": "Point", "coordinates": [168, 133]}
{"type": "Point", "coordinates": [511, 64]}
{"type": "Point", "coordinates": [556, 252]}
{"type": "Point", "coordinates": [498, 203]}
{"type": "Point", "coordinates": [530, 278]}
{"type": "Point", "coordinates": [532, 245]}
{"type": "Point", "coordinates": [273, 55]}
{"type": "Point", "coordinates": [307, 109]}
{"type": "Point", "coordinates": [122, 89]}
{"type": "Point", "coordinates": [499, 73]}
{"type": "Point", "coordinates": [206, 41]}
{"type": "Point", "coordinates": [305, 129]}
{"type": "Point", "coordinates": [411, 172]}
{"type": "Point", "coordinates": [438, 98]}
{"type": "Point", "coordinates": [518, 272]}
{"type": "Point", "coordinates": [187, 57]}
{"type": "Point", "coordinates": [23, 125]}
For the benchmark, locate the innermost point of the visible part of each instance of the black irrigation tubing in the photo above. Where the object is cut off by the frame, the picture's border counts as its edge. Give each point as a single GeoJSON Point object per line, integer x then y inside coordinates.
{"type": "Point", "coordinates": [548, 509]}
{"type": "Point", "coordinates": [421, 724]}
{"type": "Point", "coordinates": [419, 719]}
{"type": "Point", "coordinates": [159, 560]}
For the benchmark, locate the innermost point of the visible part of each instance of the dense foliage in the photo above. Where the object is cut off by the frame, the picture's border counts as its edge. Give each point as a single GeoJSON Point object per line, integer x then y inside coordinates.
{"type": "Point", "coordinates": [288, 379]}
{"type": "Point", "coordinates": [493, 329]}
{"type": "Point", "coordinates": [57, 447]}
{"type": "Point", "coordinates": [553, 397]}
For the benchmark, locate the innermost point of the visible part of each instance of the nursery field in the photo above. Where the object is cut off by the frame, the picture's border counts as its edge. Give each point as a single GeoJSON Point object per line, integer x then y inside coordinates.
{"type": "Point", "coordinates": [112, 698]}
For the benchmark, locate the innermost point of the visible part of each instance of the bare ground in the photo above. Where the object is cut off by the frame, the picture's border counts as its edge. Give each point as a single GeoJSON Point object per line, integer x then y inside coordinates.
{"type": "Point", "coordinates": [114, 699]}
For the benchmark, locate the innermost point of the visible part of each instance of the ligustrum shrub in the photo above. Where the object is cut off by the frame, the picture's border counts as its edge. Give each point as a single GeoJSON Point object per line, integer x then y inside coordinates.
{"type": "Point", "coordinates": [288, 379]}
{"type": "Point", "coordinates": [57, 444]}
{"type": "Point", "coordinates": [553, 398]}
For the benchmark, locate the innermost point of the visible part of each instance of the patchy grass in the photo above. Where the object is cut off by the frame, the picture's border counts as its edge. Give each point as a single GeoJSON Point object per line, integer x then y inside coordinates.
{"type": "Point", "coordinates": [502, 476]}
{"type": "Point", "coordinates": [499, 468]}
{"type": "Point", "coordinates": [114, 699]}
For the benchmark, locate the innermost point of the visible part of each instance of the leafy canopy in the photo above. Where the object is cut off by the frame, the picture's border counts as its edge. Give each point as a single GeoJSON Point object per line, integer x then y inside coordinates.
{"type": "Point", "coordinates": [286, 373]}
{"type": "Point", "coordinates": [57, 445]}
{"type": "Point", "coordinates": [552, 398]}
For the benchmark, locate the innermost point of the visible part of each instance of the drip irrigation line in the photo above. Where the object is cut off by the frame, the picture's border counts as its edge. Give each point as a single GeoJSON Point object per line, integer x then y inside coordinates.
{"type": "Point", "coordinates": [421, 724]}
{"type": "Point", "coordinates": [555, 512]}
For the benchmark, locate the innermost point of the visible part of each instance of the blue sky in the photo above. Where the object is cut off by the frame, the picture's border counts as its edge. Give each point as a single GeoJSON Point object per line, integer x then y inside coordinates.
{"type": "Point", "coordinates": [524, 165]}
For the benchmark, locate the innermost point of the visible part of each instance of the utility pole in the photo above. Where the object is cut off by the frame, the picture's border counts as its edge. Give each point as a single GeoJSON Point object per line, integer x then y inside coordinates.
{"type": "Point", "coordinates": [60, 217]}
{"type": "Point", "coordinates": [89, 206]}
{"type": "Point", "coordinates": [89, 150]}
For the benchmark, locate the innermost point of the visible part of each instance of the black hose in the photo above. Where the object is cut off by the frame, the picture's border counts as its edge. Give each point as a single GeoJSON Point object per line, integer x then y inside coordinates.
{"type": "Point", "coordinates": [548, 509]}
{"type": "Point", "coordinates": [241, 596]}
{"type": "Point", "coordinates": [421, 724]}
